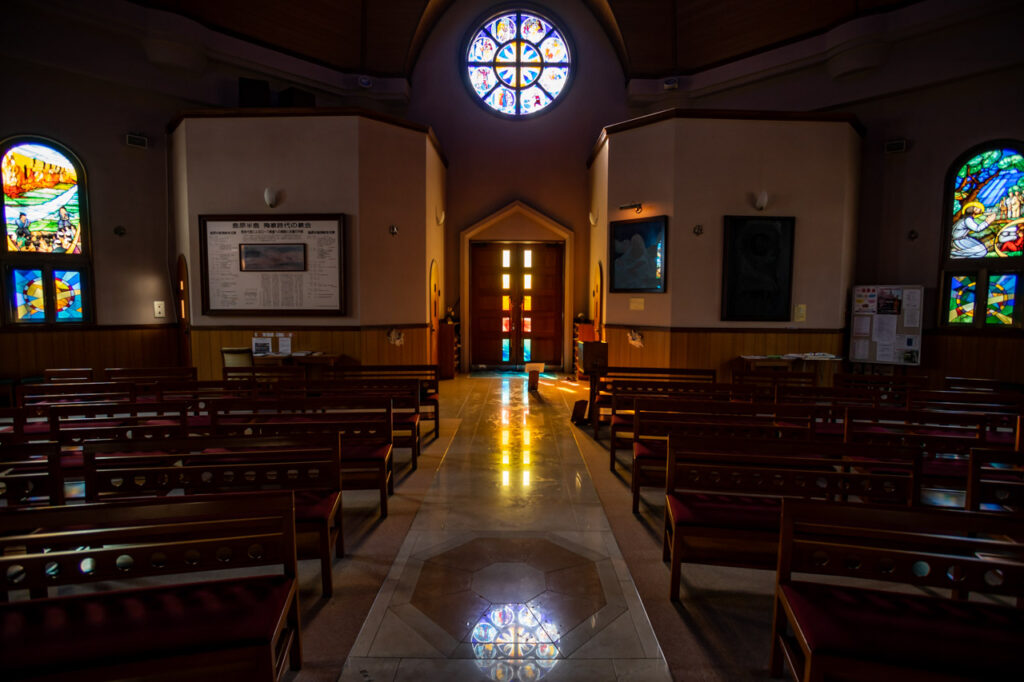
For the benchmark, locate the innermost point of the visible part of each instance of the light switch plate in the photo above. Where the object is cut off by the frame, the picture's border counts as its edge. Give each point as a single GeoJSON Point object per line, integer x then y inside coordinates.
{"type": "Point", "coordinates": [159, 310]}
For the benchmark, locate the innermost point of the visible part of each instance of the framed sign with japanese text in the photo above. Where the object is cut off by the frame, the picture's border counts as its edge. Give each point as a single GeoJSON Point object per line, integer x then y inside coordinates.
{"type": "Point", "coordinates": [272, 265]}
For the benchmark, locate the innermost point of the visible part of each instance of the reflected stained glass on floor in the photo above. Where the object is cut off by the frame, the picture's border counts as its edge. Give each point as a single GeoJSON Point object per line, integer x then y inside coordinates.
{"type": "Point", "coordinates": [515, 642]}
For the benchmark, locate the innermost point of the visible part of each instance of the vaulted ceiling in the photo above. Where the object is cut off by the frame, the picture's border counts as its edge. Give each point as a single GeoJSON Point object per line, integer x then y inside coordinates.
{"type": "Point", "coordinates": [653, 38]}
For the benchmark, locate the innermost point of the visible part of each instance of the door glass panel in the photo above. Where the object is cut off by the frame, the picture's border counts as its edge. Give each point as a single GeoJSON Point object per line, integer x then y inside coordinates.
{"type": "Point", "coordinates": [504, 350]}
{"type": "Point", "coordinates": [506, 258]}
{"type": "Point", "coordinates": [527, 281]}
{"type": "Point", "coordinates": [526, 350]}
{"type": "Point", "coordinates": [506, 281]}
{"type": "Point", "coordinates": [506, 303]}
{"type": "Point", "coordinates": [527, 303]}
{"type": "Point", "coordinates": [527, 325]}
{"type": "Point", "coordinates": [504, 324]}
{"type": "Point", "coordinates": [528, 258]}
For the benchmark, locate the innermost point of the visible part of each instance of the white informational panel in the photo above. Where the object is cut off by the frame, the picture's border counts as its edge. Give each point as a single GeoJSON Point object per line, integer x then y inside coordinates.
{"type": "Point", "coordinates": [272, 265]}
{"type": "Point", "coordinates": [885, 325]}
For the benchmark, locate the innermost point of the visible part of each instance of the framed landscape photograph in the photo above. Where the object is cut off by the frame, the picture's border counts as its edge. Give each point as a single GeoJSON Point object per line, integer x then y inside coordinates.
{"type": "Point", "coordinates": [637, 255]}
{"type": "Point", "coordinates": [757, 268]}
{"type": "Point", "coordinates": [272, 264]}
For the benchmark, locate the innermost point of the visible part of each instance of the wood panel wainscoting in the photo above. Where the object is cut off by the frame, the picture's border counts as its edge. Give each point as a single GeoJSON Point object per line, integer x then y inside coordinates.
{"type": "Point", "coordinates": [993, 355]}
{"type": "Point", "coordinates": [366, 345]}
{"type": "Point", "coordinates": [710, 348]}
{"type": "Point", "coordinates": [27, 352]}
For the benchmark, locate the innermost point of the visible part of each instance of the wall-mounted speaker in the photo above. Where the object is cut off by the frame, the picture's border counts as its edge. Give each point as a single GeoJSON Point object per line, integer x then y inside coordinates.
{"type": "Point", "coordinates": [138, 141]}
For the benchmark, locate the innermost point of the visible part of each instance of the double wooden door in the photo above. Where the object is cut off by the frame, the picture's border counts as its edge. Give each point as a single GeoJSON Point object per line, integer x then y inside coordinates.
{"type": "Point", "coordinates": [516, 304]}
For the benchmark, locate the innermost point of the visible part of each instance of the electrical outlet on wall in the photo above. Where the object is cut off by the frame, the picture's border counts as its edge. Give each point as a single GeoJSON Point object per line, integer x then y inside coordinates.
{"type": "Point", "coordinates": [159, 310]}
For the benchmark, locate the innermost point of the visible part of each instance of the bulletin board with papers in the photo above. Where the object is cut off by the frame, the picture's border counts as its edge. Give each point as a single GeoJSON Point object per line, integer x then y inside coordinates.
{"type": "Point", "coordinates": [885, 324]}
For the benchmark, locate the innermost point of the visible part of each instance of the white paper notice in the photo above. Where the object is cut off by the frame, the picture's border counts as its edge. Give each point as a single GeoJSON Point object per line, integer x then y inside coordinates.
{"type": "Point", "coordinates": [860, 348]}
{"type": "Point", "coordinates": [884, 329]}
{"type": "Point", "coordinates": [912, 298]}
{"type": "Point", "coordinates": [911, 317]}
{"type": "Point", "coordinates": [284, 345]}
{"type": "Point", "coordinates": [884, 352]}
{"type": "Point", "coordinates": [862, 325]}
{"type": "Point", "coordinates": [865, 299]}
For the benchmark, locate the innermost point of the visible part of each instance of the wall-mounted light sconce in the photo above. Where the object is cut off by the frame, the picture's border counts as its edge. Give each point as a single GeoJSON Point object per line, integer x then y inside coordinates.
{"type": "Point", "coordinates": [270, 197]}
{"type": "Point", "coordinates": [636, 206]}
{"type": "Point", "coordinates": [698, 230]}
{"type": "Point", "coordinates": [393, 229]}
{"type": "Point", "coordinates": [761, 200]}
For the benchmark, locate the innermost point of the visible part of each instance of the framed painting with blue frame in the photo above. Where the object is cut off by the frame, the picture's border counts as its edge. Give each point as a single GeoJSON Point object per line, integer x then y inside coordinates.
{"type": "Point", "coordinates": [638, 255]}
{"type": "Point", "coordinates": [757, 268]}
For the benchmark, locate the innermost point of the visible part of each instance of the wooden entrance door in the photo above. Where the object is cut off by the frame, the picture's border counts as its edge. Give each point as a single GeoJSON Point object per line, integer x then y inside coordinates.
{"type": "Point", "coordinates": [516, 304]}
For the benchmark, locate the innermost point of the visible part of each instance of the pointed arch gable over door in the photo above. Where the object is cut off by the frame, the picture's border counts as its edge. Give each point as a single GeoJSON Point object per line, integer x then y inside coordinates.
{"type": "Point", "coordinates": [516, 223]}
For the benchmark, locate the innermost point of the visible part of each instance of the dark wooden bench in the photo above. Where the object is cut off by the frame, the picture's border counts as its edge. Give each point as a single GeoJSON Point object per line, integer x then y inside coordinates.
{"type": "Point", "coordinates": [74, 392]}
{"type": "Point", "coordinates": [31, 475]}
{"type": "Point", "coordinates": [312, 474]}
{"type": "Point", "coordinates": [767, 381]}
{"type": "Point", "coordinates": [830, 624]}
{"type": "Point", "coordinates": [1001, 409]}
{"type": "Point", "coordinates": [995, 481]}
{"type": "Point", "coordinates": [72, 374]}
{"type": "Point", "coordinates": [427, 375]}
{"type": "Point", "coordinates": [602, 378]}
{"type": "Point", "coordinates": [724, 509]}
{"type": "Point", "coordinates": [200, 588]}
{"type": "Point", "coordinates": [620, 391]}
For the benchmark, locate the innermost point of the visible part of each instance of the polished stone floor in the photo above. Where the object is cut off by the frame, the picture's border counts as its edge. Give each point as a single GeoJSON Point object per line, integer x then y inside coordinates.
{"type": "Point", "coordinates": [509, 570]}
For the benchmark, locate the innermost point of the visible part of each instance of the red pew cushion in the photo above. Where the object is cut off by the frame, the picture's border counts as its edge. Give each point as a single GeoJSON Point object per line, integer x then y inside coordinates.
{"type": "Point", "coordinates": [725, 511]}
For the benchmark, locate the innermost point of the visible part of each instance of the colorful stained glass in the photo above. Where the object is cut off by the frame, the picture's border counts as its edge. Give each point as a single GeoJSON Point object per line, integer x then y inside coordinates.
{"type": "Point", "coordinates": [527, 258]}
{"type": "Point", "coordinates": [41, 202]}
{"type": "Point", "coordinates": [527, 303]}
{"type": "Point", "coordinates": [961, 299]}
{"type": "Point", "coordinates": [68, 287]}
{"type": "Point", "coordinates": [526, 350]}
{"type": "Point", "coordinates": [29, 301]}
{"type": "Point", "coordinates": [527, 325]}
{"type": "Point", "coordinates": [505, 349]}
{"type": "Point", "coordinates": [506, 303]}
{"type": "Point", "coordinates": [505, 321]}
{"type": "Point", "coordinates": [518, 63]}
{"type": "Point", "coordinates": [1002, 294]}
{"type": "Point", "coordinates": [988, 206]}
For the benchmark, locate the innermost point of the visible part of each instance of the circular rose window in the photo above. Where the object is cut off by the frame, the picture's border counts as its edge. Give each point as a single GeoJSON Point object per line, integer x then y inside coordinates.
{"type": "Point", "coordinates": [518, 63]}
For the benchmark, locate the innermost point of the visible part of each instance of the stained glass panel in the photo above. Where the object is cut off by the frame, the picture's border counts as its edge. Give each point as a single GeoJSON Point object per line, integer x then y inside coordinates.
{"type": "Point", "coordinates": [527, 325]}
{"type": "Point", "coordinates": [41, 203]}
{"type": "Point", "coordinates": [505, 324]}
{"type": "Point", "coordinates": [518, 63]}
{"type": "Point", "coordinates": [1002, 294]}
{"type": "Point", "coordinates": [506, 258]}
{"type": "Point", "coordinates": [506, 303]}
{"type": "Point", "coordinates": [988, 205]}
{"type": "Point", "coordinates": [526, 350]}
{"type": "Point", "coordinates": [68, 287]}
{"type": "Point", "coordinates": [528, 258]}
{"type": "Point", "coordinates": [505, 347]}
{"type": "Point", "coordinates": [527, 302]}
{"type": "Point", "coordinates": [29, 304]}
{"type": "Point", "coordinates": [506, 281]}
{"type": "Point", "coordinates": [527, 281]}
{"type": "Point", "coordinates": [961, 299]}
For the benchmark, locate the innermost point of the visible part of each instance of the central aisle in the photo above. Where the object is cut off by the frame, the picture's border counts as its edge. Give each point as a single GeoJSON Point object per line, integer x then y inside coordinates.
{"type": "Point", "coordinates": [509, 571]}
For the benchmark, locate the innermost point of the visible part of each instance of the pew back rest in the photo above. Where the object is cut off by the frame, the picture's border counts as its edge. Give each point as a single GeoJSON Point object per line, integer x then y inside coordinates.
{"type": "Point", "coordinates": [939, 549]}
{"type": "Point", "coordinates": [75, 392]}
{"type": "Point", "coordinates": [995, 481]}
{"type": "Point", "coordinates": [108, 543]}
{"type": "Point", "coordinates": [31, 475]}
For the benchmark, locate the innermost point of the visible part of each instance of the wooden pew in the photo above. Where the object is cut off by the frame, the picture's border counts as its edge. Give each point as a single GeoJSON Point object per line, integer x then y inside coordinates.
{"type": "Point", "coordinates": [74, 392]}
{"type": "Point", "coordinates": [211, 616]}
{"type": "Point", "coordinates": [31, 475]}
{"type": "Point", "coordinates": [995, 481]}
{"type": "Point", "coordinates": [146, 378]}
{"type": "Point", "coordinates": [312, 474]}
{"type": "Point", "coordinates": [830, 624]}
{"type": "Point", "coordinates": [767, 381]}
{"type": "Point", "coordinates": [427, 375]}
{"type": "Point", "coordinates": [724, 509]}
{"type": "Point", "coordinates": [622, 391]}
{"type": "Point", "coordinates": [601, 380]}
{"type": "Point", "coordinates": [69, 374]}
{"type": "Point", "coordinates": [1000, 408]}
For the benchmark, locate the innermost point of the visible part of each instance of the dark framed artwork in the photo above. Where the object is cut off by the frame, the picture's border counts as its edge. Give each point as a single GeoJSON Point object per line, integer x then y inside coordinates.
{"type": "Point", "coordinates": [637, 255]}
{"type": "Point", "coordinates": [272, 264]}
{"type": "Point", "coordinates": [757, 268]}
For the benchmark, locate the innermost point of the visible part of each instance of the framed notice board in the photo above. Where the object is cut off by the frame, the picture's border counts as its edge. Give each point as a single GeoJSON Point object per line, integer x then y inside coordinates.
{"type": "Point", "coordinates": [885, 324]}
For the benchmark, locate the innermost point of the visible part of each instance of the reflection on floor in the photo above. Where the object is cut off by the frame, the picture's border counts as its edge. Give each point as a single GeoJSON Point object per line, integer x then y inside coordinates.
{"type": "Point", "coordinates": [509, 570]}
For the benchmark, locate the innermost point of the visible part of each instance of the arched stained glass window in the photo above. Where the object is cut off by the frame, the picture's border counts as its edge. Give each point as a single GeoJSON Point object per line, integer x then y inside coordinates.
{"type": "Point", "coordinates": [985, 237]}
{"type": "Point", "coordinates": [518, 63]}
{"type": "Point", "coordinates": [45, 255]}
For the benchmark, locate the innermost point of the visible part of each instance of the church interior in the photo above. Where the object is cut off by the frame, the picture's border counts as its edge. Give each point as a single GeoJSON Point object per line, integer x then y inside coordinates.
{"type": "Point", "coordinates": [525, 242]}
